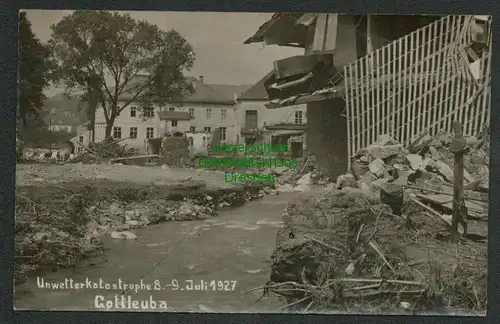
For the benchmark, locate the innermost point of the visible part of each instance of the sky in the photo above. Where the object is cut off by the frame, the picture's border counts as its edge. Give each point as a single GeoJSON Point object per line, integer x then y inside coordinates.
{"type": "Point", "coordinates": [217, 39]}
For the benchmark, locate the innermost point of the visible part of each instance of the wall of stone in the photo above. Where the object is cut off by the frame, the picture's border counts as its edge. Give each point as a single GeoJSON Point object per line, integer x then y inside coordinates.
{"type": "Point", "coordinates": [327, 136]}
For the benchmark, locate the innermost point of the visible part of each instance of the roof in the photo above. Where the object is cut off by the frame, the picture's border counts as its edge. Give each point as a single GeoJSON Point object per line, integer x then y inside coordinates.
{"type": "Point", "coordinates": [229, 91]}
{"type": "Point", "coordinates": [204, 93]}
{"type": "Point", "coordinates": [257, 91]}
{"type": "Point", "coordinates": [64, 110]}
{"type": "Point", "coordinates": [174, 115]}
{"type": "Point", "coordinates": [276, 20]}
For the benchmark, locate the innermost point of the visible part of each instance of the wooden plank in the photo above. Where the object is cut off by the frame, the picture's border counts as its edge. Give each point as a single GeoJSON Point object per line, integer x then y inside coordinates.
{"type": "Point", "coordinates": [404, 132]}
{"type": "Point", "coordinates": [331, 32]}
{"type": "Point", "coordinates": [475, 208]}
{"type": "Point", "coordinates": [378, 113]}
{"type": "Point", "coordinates": [432, 74]}
{"type": "Point", "coordinates": [349, 105]}
{"type": "Point", "coordinates": [392, 104]}
{"type": "Point", "coordinates": [459, 209]}
{"type": "Point", "coordinates": [362, 95]}
{"type": "Point", "coordinates": [320, 32]}
{"type": "Point", "coordinates": [414, 59]}
{"type": "Point", "coordinates": [306, 19]}
{"type": "Point", "coordinates": [427, 68]}
{"type": "Point", "coordinates": [136, 157]}
{"type": "Point", "coordinates": [357, 116]}
{"type": "Point", "coordinates": [369, 104]}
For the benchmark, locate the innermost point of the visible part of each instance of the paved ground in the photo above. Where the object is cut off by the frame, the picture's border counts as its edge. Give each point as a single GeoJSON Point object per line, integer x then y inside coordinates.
{"type": "Point", "coordinates": [236, 245]}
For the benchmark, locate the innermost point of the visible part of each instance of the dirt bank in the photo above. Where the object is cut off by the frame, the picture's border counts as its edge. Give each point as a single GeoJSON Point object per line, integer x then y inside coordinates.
{"type": "Point", "coordinates": [60, 216]}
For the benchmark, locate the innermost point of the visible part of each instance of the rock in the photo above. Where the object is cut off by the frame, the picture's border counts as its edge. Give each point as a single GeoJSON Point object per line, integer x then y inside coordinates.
{"type": "Point", "coordinates": [415, 161]}
{"type": "Point", "coordinates": [123, 235]}
{"type": "Point", "coordinates": [301, 188]}
{"type": "Point", "coordinates": [330, 186]}
{"type": "Point", "coordinates": [364, 159]}
{"type": "Point", "coordinates": [280, 170]}
{"type": "Point", "coordinates": [346, 180]}
{"type": "Point", "coordinates": [405, 305]}
{"type": "Point", "coordinates": [404, 177]}
{"type": "Point", "coordinates": [366, 179]}
{"type": "Point", "coordinates": [359, 168]}
{"type": "Point", "coordinates": [445, 170]}
{"type": "Point", "coordinates": [115, 209]}
{"type": "Point", "coordinates": [364, 186]}
{"type": "Point", "coordinates": [428, 163]}
{"type": "Point", "coordinates": [385, 140]}
{"type": "Point", "coordinates": [305, 179]}
{"type": "Point", "coordinates": [285, 188]}
{"type": "Point", "coordinates": [385, 151]}
{"type": "Point", "coordinates": [468, 177]}
{"type": "Point", "coordinates": [377, 167]}
{"type": "Point", "coordinates": [350, 269]}
{"type": "Point", "coordinates": [377, 184]}
{"type": "Point", "coordinates": [357, 192]}
{"type": "Point", "coordinates": [434, 153]}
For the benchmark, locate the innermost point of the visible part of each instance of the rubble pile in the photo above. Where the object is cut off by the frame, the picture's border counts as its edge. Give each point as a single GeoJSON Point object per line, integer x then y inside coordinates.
{"type": "Point", "coordinates": [373, 242]}
{"type": "Point", "coordinates": [428, 161]}
{"type": "Point", "coordinates": [61, 225]}
{"type": "Point", "coordinates": [105, 150]}
{"type": "Point", "coordinates": [175, 152]}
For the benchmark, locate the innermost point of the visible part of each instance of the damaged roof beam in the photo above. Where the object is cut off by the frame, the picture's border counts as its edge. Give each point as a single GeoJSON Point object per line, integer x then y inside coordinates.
{"type": "Point", "coordinates": [292, 83]}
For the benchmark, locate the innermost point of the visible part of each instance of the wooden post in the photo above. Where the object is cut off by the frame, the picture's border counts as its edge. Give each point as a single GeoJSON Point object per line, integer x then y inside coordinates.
{"type": "Point", "coordinates": [457, 147]}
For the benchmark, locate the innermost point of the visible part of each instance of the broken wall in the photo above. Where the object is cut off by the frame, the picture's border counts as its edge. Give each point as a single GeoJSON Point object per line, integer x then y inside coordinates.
{"type": "Point", "coordinates": [327, 136]}
{"type": "Point", "coordinates": [175, 151]}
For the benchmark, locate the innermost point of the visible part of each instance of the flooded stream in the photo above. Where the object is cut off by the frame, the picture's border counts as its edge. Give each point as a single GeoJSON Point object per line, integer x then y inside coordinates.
{"type": "Point", "coordinates": [222, 257]}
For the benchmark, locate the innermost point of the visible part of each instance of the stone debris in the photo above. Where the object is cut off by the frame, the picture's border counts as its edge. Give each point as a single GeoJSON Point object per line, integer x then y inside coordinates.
{"type": "Point", "coordinates": [123, 235]}
{"type": "Point", "coordinates": [431, 165]}
{"type": "Point", "coordinates": [370, 229]}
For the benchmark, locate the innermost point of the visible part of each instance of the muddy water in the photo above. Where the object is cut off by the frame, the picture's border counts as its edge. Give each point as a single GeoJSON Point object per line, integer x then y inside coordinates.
{"type": "Point", "coordinates": [234, 247]}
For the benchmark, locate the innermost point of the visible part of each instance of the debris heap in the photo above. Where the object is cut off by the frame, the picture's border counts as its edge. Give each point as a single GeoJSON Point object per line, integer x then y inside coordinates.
{"type": "Point", "coordinates": [376, 243]}
{"type": "Point", "coordinates": [60, 225]}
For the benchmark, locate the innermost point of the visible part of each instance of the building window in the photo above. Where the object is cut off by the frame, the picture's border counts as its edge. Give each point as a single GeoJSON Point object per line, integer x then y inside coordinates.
{"type": "Point", "coordinates": [222, 133]}
{"type": "Point", "coordinates": [133, 111]}
{"type": "Point", "coordinates": [191, 112]}
{"type": "Point", "coordinates": [223, 114]}
{"type": "Point", "coordinates": [298, 117]}
{"type": "Point", "coordinates": [192, 129]}
{"type": "Point", "coordinates": [133, 132]}
{"type": "Point", "coordinates": [79, 149]}
{"type": "Point", "coordinates": [171, 109]}
{"type": "Point", "coordinates": [209, 113]}
{"type": "Point", "coordinates": [174, 123]}
{"type": "Point", "coordinates": [150, 132]}
{"type": "Point", "coordinates": [149, 112]}
{"type": "Point", "coordinates": [207, 129]}
{"type": "Point", "coordinates": [117, 132]}
{"type": "Point", "coordinates": [80, 139]}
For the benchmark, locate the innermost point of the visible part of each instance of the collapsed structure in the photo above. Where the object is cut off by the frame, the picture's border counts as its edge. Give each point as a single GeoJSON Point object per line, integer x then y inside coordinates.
{"type": "Point", "coordinates": [382, 94]}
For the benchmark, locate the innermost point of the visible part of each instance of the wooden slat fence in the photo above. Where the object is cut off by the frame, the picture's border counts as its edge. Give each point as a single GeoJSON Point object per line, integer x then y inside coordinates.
{"type": "Point", "coordinates": [420, 82]}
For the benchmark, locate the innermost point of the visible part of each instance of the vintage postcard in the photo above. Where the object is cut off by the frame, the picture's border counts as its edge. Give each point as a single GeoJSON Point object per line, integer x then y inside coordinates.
{"type": "Point", "coordinates": [252, 162]}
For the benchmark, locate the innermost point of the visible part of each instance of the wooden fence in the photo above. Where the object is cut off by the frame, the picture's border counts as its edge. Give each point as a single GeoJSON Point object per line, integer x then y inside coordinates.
{"type": "Point", "coordinates": [420, 82]}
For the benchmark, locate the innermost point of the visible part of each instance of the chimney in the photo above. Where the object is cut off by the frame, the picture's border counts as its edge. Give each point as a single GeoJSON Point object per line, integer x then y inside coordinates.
{"type": "Point", "coordinates": [201, 78]}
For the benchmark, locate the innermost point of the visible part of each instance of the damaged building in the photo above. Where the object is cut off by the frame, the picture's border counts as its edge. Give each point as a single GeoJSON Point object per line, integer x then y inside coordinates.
{"type": "Point", "coordinates": [362, 76]}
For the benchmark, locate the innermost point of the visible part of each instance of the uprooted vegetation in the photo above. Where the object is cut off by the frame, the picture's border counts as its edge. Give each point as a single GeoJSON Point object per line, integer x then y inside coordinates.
{"type": "Point", "coordinates": [342, 251]}
{"type": "Point", "coordinates": [376, 244]}
{"type": "Point", "coordinates": [59, 225]}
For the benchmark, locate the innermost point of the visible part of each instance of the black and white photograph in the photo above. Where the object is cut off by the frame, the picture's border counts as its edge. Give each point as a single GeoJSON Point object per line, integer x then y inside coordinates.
{"type": "Point", "coordinates": [231, 162]}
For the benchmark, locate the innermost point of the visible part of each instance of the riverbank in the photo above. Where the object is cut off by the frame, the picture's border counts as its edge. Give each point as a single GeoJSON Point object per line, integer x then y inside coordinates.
{"type": "Point", "coordinates": [63, 211]}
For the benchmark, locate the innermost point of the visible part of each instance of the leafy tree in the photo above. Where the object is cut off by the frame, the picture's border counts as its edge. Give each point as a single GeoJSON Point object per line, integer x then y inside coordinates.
{"type": "Point", "coordinates": [35, 74]}
{"type": "Point", "coordinates": [116, 60]}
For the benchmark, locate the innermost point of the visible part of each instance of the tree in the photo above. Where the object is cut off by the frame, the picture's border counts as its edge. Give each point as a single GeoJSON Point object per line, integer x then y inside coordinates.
{"type": "Point", "coordinates": [116, 60]}
{"type": "Point", "coordinates": [35, 74]}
